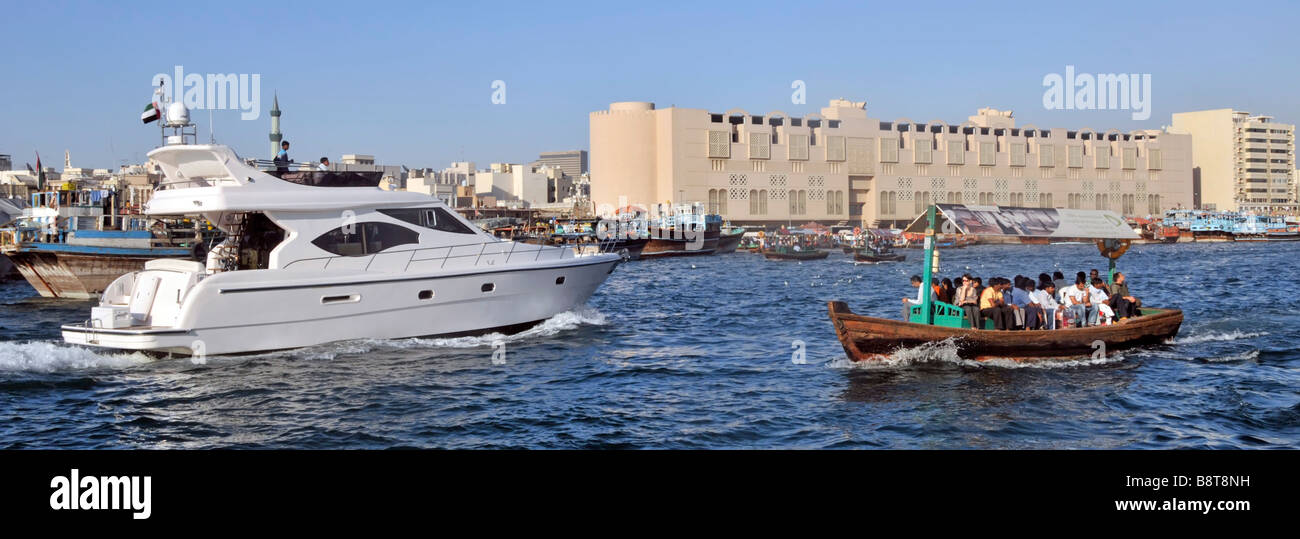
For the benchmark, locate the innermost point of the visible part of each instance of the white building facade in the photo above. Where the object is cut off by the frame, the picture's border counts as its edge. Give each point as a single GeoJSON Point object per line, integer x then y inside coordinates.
{"type": "Point", "coordinates": [843, 167]}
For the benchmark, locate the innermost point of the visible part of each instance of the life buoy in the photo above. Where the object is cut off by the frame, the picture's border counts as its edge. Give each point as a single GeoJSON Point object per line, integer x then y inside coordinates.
{"type": "Point", "coordinates": [1116, 252]}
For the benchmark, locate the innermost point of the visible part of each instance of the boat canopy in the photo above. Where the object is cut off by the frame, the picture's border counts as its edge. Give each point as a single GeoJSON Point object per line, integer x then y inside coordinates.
{"type": "Point", "coordinates": [1026, 222]}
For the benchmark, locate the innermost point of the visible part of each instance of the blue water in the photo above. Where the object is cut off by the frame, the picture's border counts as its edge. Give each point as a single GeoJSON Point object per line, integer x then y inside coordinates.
{"type": "Point", "coordinates": [697, 353]}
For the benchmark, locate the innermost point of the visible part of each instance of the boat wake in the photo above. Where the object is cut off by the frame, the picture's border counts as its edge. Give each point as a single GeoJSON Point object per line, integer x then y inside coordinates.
{"type": "Point", "coordinates": [1233, 335]}
{"type": "Point", "coordinates": [946, 352]}
{"type": "Point", "coordinates": [565, 321]}
{"type": "Point", "coordinates": [51, 357]}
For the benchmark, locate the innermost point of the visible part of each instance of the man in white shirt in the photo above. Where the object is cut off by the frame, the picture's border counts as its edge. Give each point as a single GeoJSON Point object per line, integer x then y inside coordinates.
{"type": "Point", "coordinates": [1079, 304]}
{"type": "Point", "coordinates": [1098, 297]}
{"type": "Point", "coordinates": [908, 302]}
{"type": "Point", "coordinates": [1046, 298]}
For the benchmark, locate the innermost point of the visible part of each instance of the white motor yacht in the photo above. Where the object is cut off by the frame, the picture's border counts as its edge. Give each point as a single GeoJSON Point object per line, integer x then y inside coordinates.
{"type": "Point", "coordinates": [318, 257]}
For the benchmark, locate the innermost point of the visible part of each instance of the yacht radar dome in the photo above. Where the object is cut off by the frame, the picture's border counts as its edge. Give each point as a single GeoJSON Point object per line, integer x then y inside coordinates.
{"type": "Point", "coordinates": [177, 115]}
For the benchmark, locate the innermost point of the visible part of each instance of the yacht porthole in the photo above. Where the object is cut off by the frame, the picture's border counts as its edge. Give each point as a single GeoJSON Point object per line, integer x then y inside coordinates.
{"type": "Point", "coordinates": [426, 294]}
{"type": "Point", "coordinates": [559, 280]}
{"type": "Point", "coordinates": [488, 287]}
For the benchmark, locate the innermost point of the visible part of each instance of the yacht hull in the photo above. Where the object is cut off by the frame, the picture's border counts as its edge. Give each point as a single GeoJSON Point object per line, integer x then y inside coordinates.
{"type": "Point", "coordinates": [253, 318]}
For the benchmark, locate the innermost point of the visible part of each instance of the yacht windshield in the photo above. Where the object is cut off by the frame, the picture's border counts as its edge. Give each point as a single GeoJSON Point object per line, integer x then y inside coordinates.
{"type": "Point", "coordinates": [434, 218]}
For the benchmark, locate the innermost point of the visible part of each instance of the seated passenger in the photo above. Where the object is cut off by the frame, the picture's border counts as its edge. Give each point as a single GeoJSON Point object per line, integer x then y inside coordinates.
{"type": "Point", "coordinates": [1097, 296]}
{"type": "Point", "coordinates": [1046, 299]}
{"type": "Point", "coordinates": [1081, 309]}
{"type": "Point", "coordinates": [992, 304]}
{"type": "Point", "coordinates": [1121, 301]}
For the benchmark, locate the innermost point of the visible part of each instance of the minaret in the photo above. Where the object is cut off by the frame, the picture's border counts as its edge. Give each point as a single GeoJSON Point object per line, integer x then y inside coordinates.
{"type": "Point", "coordinates": [275, 126]}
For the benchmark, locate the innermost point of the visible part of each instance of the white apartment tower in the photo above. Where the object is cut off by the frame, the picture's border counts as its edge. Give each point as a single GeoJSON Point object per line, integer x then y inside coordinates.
{"type": "Point", "coordinates": [1242, 162]}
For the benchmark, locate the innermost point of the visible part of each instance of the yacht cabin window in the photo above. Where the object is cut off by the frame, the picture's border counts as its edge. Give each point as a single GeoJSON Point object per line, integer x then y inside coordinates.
{"type": "Point", "coordinates": [362, 239]}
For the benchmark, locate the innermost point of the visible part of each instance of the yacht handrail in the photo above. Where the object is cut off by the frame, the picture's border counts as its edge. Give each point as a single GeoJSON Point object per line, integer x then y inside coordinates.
{"type": "Point", "coordinates": [195, 182]}
{"type": "Point", "coordinates": [602, 247]}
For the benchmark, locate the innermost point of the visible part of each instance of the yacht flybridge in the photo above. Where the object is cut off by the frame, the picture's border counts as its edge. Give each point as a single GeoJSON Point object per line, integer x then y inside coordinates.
{"type": "Point", "coordinates": [316, 257]}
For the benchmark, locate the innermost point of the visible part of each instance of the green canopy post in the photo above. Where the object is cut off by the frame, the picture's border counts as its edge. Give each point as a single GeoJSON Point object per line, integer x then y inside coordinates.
{"type": "Point", "coordinates": [927, 311]}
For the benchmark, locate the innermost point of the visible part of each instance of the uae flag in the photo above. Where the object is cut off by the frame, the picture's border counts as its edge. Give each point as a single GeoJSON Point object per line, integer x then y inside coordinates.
{"type": "Point", "coordinates": [150, 114]}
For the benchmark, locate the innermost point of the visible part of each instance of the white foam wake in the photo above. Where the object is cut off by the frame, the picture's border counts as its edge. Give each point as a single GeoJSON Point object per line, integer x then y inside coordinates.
{"type": "Point", "coordinates": [1233, 335]}
{"type": "Point", "coordinates": [946, 351]}
{"type": "Point", "coordinates": [38, 356]}
{"type": "Point", "coordinates": [565, 321]}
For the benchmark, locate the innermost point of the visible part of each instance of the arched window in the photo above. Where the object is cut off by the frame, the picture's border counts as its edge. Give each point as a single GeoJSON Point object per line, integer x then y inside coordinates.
{"type": "Point", "coordinates": [722, 202]}
{"type": "Point", "coordinates": [753, 202]}
{"type": "Point", "coordinates": [793, 197]}
{"type": "Point", "coordinates": [803, 202]}
{"type": "Point", "coordinates": [762, 202]}
{"type": "Point", "coordinates": [713, 201]}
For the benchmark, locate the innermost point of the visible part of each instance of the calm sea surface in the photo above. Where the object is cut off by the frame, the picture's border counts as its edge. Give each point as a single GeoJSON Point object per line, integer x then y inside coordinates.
{"type": "Point", "coordinates": [697, 353]}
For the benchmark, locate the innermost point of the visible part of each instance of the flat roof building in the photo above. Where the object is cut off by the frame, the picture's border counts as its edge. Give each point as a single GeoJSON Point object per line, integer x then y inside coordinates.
{"type": "Point", "coordinates": [1242, 162]}
{"type": "Point", "coordinates": [572, 162]}
{"type": "Point", "coordinates": [843, 167]}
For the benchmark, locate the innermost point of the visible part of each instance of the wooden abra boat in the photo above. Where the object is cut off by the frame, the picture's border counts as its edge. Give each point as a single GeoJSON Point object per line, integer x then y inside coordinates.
{"type": "Point", "coordinates": [868, 256]}
{"type": "Point", "coordinates": [810, 254]}
{"type": "Point", "coordinates": [866, 338]}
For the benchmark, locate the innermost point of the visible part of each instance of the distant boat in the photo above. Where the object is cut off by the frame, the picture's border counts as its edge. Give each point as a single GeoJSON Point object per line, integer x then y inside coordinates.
{"type": "Point", "coordinates": [65, 246]}
{"type": "Point", "coordinates": [875, 258]}
{"type": "Point", "coordinates": [791, 254]}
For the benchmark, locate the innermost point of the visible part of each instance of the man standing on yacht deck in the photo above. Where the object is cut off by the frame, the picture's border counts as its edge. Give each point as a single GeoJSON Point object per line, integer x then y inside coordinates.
{"type": "Point", "coordinates": [282, 159]}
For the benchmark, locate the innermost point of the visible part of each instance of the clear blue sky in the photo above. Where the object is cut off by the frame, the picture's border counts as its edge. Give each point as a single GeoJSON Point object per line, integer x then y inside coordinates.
{"type": "Point", "coordinates": [411, 82]}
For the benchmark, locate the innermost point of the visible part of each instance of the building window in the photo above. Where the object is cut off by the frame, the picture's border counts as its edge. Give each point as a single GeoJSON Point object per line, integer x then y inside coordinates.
{"type": "Point", "coordinates": [713, 201]}
{"type": "Point", "coordinates": [956, 152]}
{"type": "Point", "coordinates": [762, 202]}
{"type": "Point", "coordinates": [797, 146]}
{"type": "Point", "coordinates": [760, 146]}
{"type": "Point", "coordinates": [834, 148]}
{"type": "Point", "coordinates": [722, 201]}
{"type": "Point", "coordinates": [803, 202]}
{"type": "Point", "coordinates": [1153, 159]}
{"type": "Point", "coordinates": [1045, 200]}
{"type": "Point", "coordinates": [988, 153]}
{"type": "Point", "coordinates": [794, 202]}
{"type": "Point", "coordinates": [719, 144]}
{"type": "Point", "coordinates": [1018, 152]}
{"type": "Point", "coordinates": [1046, 155]}
{"type": "Point", "coordinates": [888, 201]}
{"type": "Point", "coordinates": [921, 150]}
{"type": "Point", "coordinates": [1130, 159]}
{"type": "Point", "coordinates": [1076, 156]}
{"type": "Point", "coordinates": [1102, 155]}
{"type": "Point", "coordinates": [888, 150]}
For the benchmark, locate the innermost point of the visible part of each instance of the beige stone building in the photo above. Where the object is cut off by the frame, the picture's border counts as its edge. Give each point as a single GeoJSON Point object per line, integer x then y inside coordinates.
{"type": "Point", "coordinates": [841, 166]}
{"type": "Point", "coordinates": [1241, 162]}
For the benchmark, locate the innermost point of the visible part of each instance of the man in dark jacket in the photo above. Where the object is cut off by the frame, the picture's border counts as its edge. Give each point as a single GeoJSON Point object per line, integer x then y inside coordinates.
{"type": "Point", "coordinates": [1121, 301]}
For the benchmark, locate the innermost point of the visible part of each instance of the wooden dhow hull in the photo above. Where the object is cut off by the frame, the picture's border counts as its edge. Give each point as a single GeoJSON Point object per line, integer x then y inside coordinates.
{"type": "Point", "coordinates": [867, 338]}
{"type": "Point", "coordinates": [874, 258]}
{"type": "Point", "coordinates": [803, 255]}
